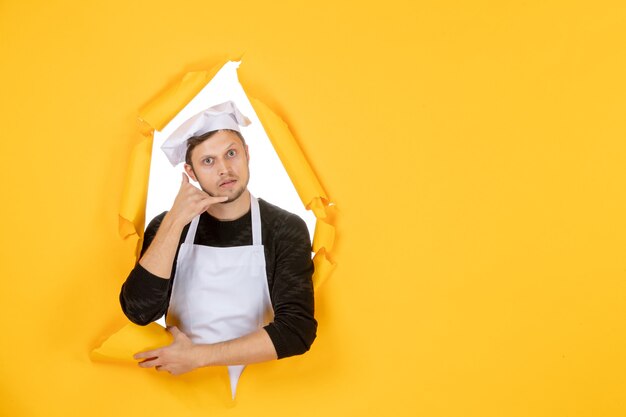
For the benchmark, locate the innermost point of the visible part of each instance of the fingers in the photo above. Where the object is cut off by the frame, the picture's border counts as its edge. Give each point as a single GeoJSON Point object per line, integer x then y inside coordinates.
{"type": "Point", "coordinates": [218, 199]}
{"type": "Point", "coordinates": [208, 201]}
{"type": "Point", "coordinates": [176, 358]}
{"type": "Point", "coordinates": [146, 354]}
{"type": "Point", "coordinates": [190, 190]}
{"type": "Point", "coordinates": [150, 363]}
{"type": "Point", "coordinates": [192, 201]}
{"type": "Point", "coordinates": [202, 203]}
{"type": "Point", "coordinates": [163, 368]}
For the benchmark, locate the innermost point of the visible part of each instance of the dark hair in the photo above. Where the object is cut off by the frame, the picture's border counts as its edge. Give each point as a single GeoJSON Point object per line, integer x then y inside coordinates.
{"type": "Point", "coordinates": [194, 141]}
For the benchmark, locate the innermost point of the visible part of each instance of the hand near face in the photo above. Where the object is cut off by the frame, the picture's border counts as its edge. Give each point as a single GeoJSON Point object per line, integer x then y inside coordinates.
{"type": "Point", "coordinates": [177, 358]}
{"type": "Point", "coordinates": [190, 202]}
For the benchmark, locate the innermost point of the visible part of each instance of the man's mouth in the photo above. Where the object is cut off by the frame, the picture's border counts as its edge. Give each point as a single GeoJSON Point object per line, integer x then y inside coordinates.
{"type": "Point", "coordinates": [227, 183]}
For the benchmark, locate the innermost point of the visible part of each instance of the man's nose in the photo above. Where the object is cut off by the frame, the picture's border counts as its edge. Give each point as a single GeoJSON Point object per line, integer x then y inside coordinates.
{"type": "Point", "coordinates": [222, 167]}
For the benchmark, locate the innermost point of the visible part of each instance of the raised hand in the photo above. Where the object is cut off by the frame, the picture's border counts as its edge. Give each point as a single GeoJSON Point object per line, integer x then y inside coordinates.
{"type": "Point", "coordinates": [190, 202]}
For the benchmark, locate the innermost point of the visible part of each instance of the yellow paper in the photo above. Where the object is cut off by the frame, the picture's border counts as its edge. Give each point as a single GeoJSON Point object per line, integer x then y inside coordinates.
{"type": "Point", "coordinates": [133, 204]}
{"type": "Point", "coordinates": [131, 339]}
{"type": "Point", "coordinates": [477, 151]}
{"type": "Point", "coordinates": [158, 112]}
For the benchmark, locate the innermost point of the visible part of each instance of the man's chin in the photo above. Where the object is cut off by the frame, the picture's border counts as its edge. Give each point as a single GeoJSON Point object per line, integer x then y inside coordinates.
{"type": "Point", "coordinates": [231, 198]}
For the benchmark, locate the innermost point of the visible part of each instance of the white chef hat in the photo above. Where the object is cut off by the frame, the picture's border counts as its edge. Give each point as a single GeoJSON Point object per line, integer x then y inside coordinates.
{"type": "Point", "coordinates": [221, 116]}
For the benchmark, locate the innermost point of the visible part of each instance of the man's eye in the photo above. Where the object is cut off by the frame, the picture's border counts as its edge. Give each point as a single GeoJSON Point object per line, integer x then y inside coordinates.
{"type": "Point", "coordinates": [231, 153]}
{"type": "Point", "coordinates": [208, 161]}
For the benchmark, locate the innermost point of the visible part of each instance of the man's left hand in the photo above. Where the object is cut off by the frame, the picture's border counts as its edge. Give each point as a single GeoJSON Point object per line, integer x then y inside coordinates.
{"type": "Point", "coordinates": [177, 358]}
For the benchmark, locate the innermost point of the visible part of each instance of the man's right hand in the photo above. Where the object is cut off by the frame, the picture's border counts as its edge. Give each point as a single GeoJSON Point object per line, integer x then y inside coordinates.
{"type": "Point", "coordinates": [190, 202]}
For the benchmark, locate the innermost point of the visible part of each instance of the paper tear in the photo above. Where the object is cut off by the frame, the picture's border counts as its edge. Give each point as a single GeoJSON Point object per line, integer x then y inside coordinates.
{"type": "Point", "coordinates": [324, 236]}
{"type": "Point", "coordinates": [306, 183]}
{"type": "Point", "coordinates": [323, 268]}
{"type": "Point", "coordinates": [296, 165]}
{"type": "Point", "coordinates": [317, 206]}
{"type": "Point", "coordinates": [130, 339]}
{"type": "Point", "coordinates": [122, 345]}
{"type": "Point", "coordinates": [158, 112]}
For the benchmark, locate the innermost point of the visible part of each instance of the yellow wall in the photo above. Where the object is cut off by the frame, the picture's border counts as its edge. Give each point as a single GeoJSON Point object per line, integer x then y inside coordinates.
{"type": "Point", "coordinates": [476, 153]}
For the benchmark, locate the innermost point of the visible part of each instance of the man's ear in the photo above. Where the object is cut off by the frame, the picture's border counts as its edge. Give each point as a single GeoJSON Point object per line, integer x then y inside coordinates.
{"type": "Point", "coordinates": [189, 171]}
{"type": "Point", "coordinates": [247, 153]}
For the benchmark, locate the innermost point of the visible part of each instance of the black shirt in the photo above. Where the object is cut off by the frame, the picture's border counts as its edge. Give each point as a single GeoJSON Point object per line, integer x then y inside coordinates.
{"type": "Point", "coordinates": [145, 297]}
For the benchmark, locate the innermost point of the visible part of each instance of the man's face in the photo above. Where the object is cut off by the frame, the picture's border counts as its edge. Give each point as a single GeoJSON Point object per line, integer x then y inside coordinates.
{"type": "Point", "coordinates": [220, 165]}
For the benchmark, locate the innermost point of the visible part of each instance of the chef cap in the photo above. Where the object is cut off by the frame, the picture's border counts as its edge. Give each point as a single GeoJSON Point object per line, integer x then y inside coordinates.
{"type": "Point", "coordinates": [221, 116]}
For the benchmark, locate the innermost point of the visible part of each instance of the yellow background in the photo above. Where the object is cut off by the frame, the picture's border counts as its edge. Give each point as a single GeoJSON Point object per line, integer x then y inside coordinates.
{"type": "Point", "coordinates": [475, 151]}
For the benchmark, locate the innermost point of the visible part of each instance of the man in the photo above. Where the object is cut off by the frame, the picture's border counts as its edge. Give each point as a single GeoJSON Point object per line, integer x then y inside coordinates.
{"type": "Point", "coordinates": [221, 263]}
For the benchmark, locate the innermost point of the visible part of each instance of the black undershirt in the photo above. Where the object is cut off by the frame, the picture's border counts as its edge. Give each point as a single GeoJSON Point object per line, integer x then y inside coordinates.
{"type": "Point", "coordinates": [145, 297]}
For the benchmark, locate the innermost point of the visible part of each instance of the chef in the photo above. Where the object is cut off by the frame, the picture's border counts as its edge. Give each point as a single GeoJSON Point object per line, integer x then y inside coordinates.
{"type": "Point", "coordinates": [231, 272]}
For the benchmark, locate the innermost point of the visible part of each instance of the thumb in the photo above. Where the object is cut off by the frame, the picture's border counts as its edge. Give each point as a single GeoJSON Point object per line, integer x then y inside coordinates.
{"type": "Point", "coordinates": [185, 179]}
{"type": "Point", "coordinates": [174, 331]}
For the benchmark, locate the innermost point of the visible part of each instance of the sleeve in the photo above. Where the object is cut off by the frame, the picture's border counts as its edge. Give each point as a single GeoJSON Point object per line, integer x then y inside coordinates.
{"type": "Point", "coordinates": [294, 327]}
{"type": "Point", "coordinates": [144, 297]}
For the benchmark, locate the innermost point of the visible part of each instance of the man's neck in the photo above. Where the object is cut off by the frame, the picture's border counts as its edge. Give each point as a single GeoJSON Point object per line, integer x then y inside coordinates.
{"type": "Point", "coordinates": [231, 210]}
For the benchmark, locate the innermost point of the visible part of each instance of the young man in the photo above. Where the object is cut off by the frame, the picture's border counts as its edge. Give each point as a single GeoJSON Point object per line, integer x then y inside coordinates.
{"type": "Point", "coordinates": [232, 273]}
